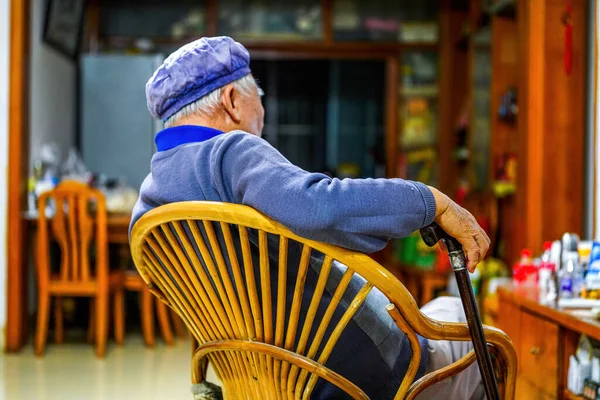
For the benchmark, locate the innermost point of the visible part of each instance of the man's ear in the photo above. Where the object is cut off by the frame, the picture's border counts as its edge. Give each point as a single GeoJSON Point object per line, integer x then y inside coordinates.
{"type": "Point", "coordinates": [230, 99]}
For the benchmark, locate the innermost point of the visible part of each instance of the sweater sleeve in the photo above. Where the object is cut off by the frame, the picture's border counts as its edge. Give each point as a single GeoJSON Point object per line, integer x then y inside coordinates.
{"type": "Point", "coordinates": [359, 214]}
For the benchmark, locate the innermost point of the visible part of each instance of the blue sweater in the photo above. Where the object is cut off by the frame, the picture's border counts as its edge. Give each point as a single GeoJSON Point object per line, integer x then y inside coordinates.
{"type": "Point", "coordinates": [199, 163]}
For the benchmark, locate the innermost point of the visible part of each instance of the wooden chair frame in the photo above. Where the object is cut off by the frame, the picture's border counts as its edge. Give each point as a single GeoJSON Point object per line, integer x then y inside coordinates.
{"type": "Point", "coordinates": [131, 281]}
{"type": "Point", "coordinates": [252, 356]}
{"type": "Point", "coordinates": [76, 231]}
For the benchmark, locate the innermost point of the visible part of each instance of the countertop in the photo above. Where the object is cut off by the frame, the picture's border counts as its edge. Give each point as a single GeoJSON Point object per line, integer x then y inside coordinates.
{"type": "Point", "coordinates": [527, 297]}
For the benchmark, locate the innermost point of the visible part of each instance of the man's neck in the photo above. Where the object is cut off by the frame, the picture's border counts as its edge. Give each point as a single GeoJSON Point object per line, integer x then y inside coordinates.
{"type": "Point", "coordinates": [215, 123]}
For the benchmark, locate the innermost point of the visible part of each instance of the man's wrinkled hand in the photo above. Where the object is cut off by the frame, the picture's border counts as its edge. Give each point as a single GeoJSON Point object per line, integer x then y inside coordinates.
{"type": "Point", "coordinates": [460, 224]}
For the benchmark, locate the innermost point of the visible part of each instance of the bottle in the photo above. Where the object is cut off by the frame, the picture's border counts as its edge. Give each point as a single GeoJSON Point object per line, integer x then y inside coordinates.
{"type": "Point", "coordinates": [547, 268]}
{"type": "Point", "coordinates": [31, 198]}
{"type": "Point", "coordinates": [578, 278]}
{"type": "Point", "coordinates": [524, 271]}
{"type": "Point", "coordinates": [584, 249]}
{"type": "Point", "coordinates": [571, 260]}
{"type": "Point", "coordinates": [569, 243]}
{"type": "Point", "coordinates": [592, 275]}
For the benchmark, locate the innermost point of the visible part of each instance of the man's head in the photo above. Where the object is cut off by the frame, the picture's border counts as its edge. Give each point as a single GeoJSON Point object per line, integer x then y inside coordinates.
{"type": "Point", "coordinates": [207, 82]}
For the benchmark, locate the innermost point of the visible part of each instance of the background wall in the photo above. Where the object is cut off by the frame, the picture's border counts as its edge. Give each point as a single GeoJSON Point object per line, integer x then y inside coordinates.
{"type": "Point", "coordinates": [4, 57]}
{"type": "Point", "coordinates": [52, 111]}
{"type": "Point", "coordinates": [596, 171]}
{"type": "Point", "coordinates": [52, 92]}
{"type": "Point", "coordinates": [52, 102]}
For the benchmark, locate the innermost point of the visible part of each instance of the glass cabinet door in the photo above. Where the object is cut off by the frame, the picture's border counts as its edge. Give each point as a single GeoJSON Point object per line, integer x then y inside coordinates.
{"type": "Point", "coordinates": [384, 20]}
{"type": "Point", "coordinates": [480, 132]}
{"type": "Point", "coordinates": [295, 103]}
{"type": "Point", "coordinates": [355, 119]}
{"type": "Point", "coordinates": [175, 19]}
{"type": "Point", "coordinates": [418, 139]}
{"type": "Point", "coordinates": [270, 19]}
{"type": "Point", "coordinates": [324, 116]}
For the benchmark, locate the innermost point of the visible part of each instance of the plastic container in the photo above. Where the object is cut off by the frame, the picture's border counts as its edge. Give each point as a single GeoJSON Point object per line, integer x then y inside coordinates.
{"type": "Point", "coordinates": [547, 268]}
{"type": "Point", "coordinates": [409, 249]}
{"type": "Point", "coordinates": [584, 249]}
{"type": "Point", "coordinates": [442, 263]}
{"type": "Point", "coordinates": [566, 275]}
{"type": "Point", "coordinates": [592, 277]}
{"type": "Point", "coordinates": [524, 271]}
{"type": "Point", "coordinates": [425, 261]}
{"type": "Point", "coordinates": [578, 279]}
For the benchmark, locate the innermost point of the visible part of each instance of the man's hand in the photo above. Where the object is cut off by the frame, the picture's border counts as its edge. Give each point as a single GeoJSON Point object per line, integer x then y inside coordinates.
{"type": "Point", "coordinates": [460, 224]}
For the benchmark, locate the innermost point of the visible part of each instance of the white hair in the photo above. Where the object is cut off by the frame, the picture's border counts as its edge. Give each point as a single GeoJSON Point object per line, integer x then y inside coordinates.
{"type": "Point", "coordinates": [210, 103]}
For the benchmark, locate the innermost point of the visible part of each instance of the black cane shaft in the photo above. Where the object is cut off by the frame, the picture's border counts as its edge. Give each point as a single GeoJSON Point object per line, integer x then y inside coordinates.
{"type": "Point", "coordinates": [476, 329]}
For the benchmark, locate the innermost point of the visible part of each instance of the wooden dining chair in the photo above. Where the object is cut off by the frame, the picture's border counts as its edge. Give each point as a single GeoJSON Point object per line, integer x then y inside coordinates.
{"type": "Point", "coordinates": [78, 225]}
{"type": "Point", "coordinates": [132, 281]}
{"type": "Point", "coordinates": [197, 258]}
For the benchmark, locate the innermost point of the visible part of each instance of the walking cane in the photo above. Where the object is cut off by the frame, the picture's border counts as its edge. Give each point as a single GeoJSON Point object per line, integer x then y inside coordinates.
{"type": "Point", "coordinates": [431, 235]}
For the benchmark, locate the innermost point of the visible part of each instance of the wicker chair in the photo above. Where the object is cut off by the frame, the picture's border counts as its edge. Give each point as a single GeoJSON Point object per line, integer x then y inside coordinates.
{"type": "Point", "coordinates": [181, 251]}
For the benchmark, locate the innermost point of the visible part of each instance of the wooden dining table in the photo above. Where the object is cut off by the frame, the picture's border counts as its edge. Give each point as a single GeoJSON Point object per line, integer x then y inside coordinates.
{"type": "Point", "coordinates": [118, 228]}
{"type": "Point", "coordinates": [117, 223]}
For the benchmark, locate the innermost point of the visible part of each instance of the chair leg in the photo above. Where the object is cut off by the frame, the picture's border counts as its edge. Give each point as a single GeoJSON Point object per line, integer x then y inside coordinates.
{"type": "Point", "coordinates": [101, 323]}
{"type": "Point", "coordinates": [119, 315]}
{"type": "Point", "coordinates": [41, 332]}
{"type": "Point", "coordinates": [147, 316]}
{"type": "Point", "coordinates": [91, 322]}
{"type": "Point", "coordinates": [180, 329]}
{"type": "Point", "coordinates": [59, 333]}
{"type": "Point", "coordinates": [165, 324]}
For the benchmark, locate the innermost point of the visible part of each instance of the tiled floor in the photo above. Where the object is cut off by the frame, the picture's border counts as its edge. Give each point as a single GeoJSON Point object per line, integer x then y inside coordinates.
{"type": "Point", "coordinates": [72, 372]}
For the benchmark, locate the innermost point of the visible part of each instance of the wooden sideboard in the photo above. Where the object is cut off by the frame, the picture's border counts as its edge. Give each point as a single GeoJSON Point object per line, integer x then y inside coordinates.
{"type": "Point", "coordinates": [544, 337]}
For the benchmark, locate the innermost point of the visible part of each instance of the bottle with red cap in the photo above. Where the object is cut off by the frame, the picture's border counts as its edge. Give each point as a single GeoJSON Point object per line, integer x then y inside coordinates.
{"type": "Point", "coordinates": [547, 267]}
{"type": "Point", "coordinates": [524, 271]}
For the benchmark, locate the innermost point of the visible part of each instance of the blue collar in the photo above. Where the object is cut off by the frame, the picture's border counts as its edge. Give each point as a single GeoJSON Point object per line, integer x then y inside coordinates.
{"type": "Point", "coordinates": [178, 135]}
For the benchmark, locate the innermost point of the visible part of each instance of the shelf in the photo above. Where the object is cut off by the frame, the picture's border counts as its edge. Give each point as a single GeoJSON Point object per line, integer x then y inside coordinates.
{"type": "Point", "coordinates": [293, 129]}
{"type": "Point", "coordinates": [477, 92]}
{"type": "Point", "coordinates": [249, 37]}
{"type": "Point", "coordinates": [570, 396]}
{"type": "Point", "coordinates": [462, 44]}
{"type": "Point", "coordinates": [482, 38]}
{"type": "Point", "coordinates": [293, 49]}
{"type": "Point", "coordinates": [503, 8]}
{"type": "Point", "coordinates": [508, 122]}
{"type": "Point", "coordinates": [418, 147]}
{"type": "Point", "coordinates": [420, 91]}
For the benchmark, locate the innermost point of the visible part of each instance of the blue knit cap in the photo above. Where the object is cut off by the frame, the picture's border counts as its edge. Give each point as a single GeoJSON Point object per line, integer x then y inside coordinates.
{"type": "Point", "coordinates": [194, 71]}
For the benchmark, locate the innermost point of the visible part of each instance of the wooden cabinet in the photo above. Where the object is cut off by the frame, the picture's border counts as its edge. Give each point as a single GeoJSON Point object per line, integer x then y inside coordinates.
{"type": "Point", "coordinates": [538, 353]}
{"type": "Point", "coordinates": [525, 390]}
{"type": "Point", "coordinates": [509, 320]}
{"type": "Point", "coordinates": [536, 343]}
{"type": "Point", "coordinates": [544, 336]}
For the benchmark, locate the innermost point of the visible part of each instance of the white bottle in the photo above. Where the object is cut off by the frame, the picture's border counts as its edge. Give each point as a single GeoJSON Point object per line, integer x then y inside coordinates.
{"type": "Point", "coordinates": [547, 275]}
{"type": "Point", "coordinates": [546, 269]}
{"type": "Point", "coordinates": [566, 275]}
{"type": "Point", "coordinates": [578, 279]}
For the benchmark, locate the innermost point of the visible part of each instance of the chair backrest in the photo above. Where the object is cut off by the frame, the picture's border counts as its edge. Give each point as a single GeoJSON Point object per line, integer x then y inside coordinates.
{"type": "Point", "coordinates": [189, 255]}
{"type": "Point", "coordinates": [74, 215]}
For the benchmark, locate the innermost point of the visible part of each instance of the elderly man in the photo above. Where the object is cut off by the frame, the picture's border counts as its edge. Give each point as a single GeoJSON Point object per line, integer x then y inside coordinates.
{"type": "Point", "coordinates": [211, 149]}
